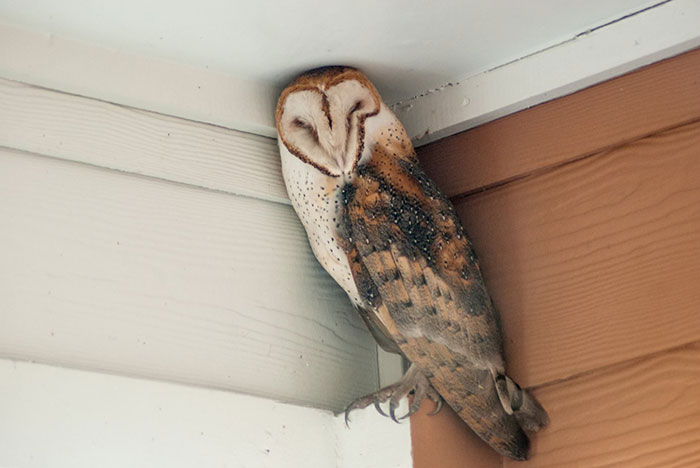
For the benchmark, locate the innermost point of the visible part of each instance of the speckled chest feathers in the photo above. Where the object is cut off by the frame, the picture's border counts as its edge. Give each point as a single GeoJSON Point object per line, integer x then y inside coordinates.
{"type": "Point", "coordinates": [386, 234]}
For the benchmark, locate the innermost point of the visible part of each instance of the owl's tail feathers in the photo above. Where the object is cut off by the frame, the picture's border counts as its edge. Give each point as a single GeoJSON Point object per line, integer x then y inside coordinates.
{"type": "Point", "coordinates": [531, 416]}
{"type": "Point", "coordinates": [521, 404]}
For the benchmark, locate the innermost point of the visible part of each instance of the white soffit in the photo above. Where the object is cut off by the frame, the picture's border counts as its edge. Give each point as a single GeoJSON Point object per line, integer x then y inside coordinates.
{"type": "Point", "coordinates": [448, 65]}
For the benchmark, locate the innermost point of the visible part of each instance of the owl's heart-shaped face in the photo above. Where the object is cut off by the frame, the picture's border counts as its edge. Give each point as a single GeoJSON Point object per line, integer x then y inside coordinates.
{"type": "Point", "coordinates": [321, 118]}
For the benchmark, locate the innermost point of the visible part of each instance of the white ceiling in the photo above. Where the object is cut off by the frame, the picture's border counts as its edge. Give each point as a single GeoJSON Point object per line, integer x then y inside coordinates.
{"type": "Point", "coordinates": [407, 47]}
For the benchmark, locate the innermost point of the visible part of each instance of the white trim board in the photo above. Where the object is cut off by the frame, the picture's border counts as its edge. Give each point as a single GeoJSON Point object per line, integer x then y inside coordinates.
{"type": "Point", "coordinates": [659, 32]}
{"type": "Point", "coordinates": [69, 418]}
{"type": "Point", "coordinates": [655, 33]}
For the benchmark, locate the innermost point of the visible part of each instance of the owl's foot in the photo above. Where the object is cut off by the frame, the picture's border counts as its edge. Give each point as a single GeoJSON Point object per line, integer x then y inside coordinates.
{"type": "Point", "coordinates": [413, 382]}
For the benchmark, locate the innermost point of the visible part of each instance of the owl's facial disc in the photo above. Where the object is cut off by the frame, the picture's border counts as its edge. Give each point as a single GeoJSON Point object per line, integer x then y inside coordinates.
{"type": "Point", "coordinates": [324, 126]}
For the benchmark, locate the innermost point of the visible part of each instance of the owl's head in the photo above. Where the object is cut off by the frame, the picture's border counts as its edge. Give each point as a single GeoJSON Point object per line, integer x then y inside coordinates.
{"type": "Point", "coordinates": [323, 116]}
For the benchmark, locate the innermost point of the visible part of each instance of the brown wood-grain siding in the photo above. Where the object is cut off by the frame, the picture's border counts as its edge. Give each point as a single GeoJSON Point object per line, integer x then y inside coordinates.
{"type": "Point", "coordinates": [585, 213]}
{"type": "Point", "coordinates": [658, 97]}
{"type": "Point", "coordinates": [639, 414]}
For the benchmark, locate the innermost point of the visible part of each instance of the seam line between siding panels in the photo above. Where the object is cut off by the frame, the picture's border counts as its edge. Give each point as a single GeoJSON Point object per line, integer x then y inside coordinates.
{"type": "Point", "coordinates": [145, 176]}
{"type": "Point", "coordinates": [625, 363]}
{"type": "Point", "coordinates": [456, 199]}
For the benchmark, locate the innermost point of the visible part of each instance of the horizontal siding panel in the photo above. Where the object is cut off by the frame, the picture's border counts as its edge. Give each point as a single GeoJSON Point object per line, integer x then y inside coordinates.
{"type": "Point", "coordinates": [86, 68]}
{"type": "Point", "coordinates": [81, 129]}
{"type": "Point", "coordinates": [108, 271]}
{"type": "Point", "coordinates": [644, 414]}
{"type": "Point", "coordinates": [598, 261]}
{"type": "Point", "coordinates": [660, 96]}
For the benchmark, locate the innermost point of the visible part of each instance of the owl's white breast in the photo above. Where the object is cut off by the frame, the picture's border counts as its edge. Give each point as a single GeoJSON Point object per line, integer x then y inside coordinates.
{"type": "Point", "coordinates": [315, 198]}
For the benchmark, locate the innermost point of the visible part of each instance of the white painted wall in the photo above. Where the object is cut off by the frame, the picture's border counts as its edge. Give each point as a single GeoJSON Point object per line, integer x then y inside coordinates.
{"type": "Point", "coordinates": [62, 418]}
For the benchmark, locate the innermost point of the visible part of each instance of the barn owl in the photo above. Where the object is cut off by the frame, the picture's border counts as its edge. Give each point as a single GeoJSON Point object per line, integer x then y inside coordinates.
{"type": "Point", "coordinates": [394, 243]}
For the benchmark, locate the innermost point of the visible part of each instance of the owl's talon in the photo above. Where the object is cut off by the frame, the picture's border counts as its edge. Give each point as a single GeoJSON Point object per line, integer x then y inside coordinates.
{"type": "Point", "coordinates": [438, 407]}
{"type": "Point", "coordinates": [412, 409]}
{"type": "Point", "coordinates": [392, 410]}
{"type": "Point", "coordinates": [412, 382]}
{"type": "Point", "coordinates": [380, 410]}
{"type": "Point", "coordinates": [376, 398]}
{"type": "Point", "coordinates": [437, 399]}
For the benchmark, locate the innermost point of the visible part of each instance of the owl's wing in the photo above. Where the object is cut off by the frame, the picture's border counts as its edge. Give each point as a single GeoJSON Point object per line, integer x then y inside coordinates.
{"type": "Point", "coordinates": [415, 267]}
{"type": "Point", "coordinates": [408, 249]}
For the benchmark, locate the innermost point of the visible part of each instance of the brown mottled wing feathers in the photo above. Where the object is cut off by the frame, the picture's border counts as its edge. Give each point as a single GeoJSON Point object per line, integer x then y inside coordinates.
{"type": "Point", "coordinates": [413, 264]}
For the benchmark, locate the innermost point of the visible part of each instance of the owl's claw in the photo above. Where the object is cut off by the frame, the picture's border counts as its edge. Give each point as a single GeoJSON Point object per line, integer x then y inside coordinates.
{"type": "Point", "coordinates": [413, 382]}
{"type": "Point", "coordinates": [438, 406]}
{"type": "Point", "coordinates": [392, 408]}
{"type": "Point", "coordinates": [379, 409]}
{"type": "Point", "coordinates": [376, 399]}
